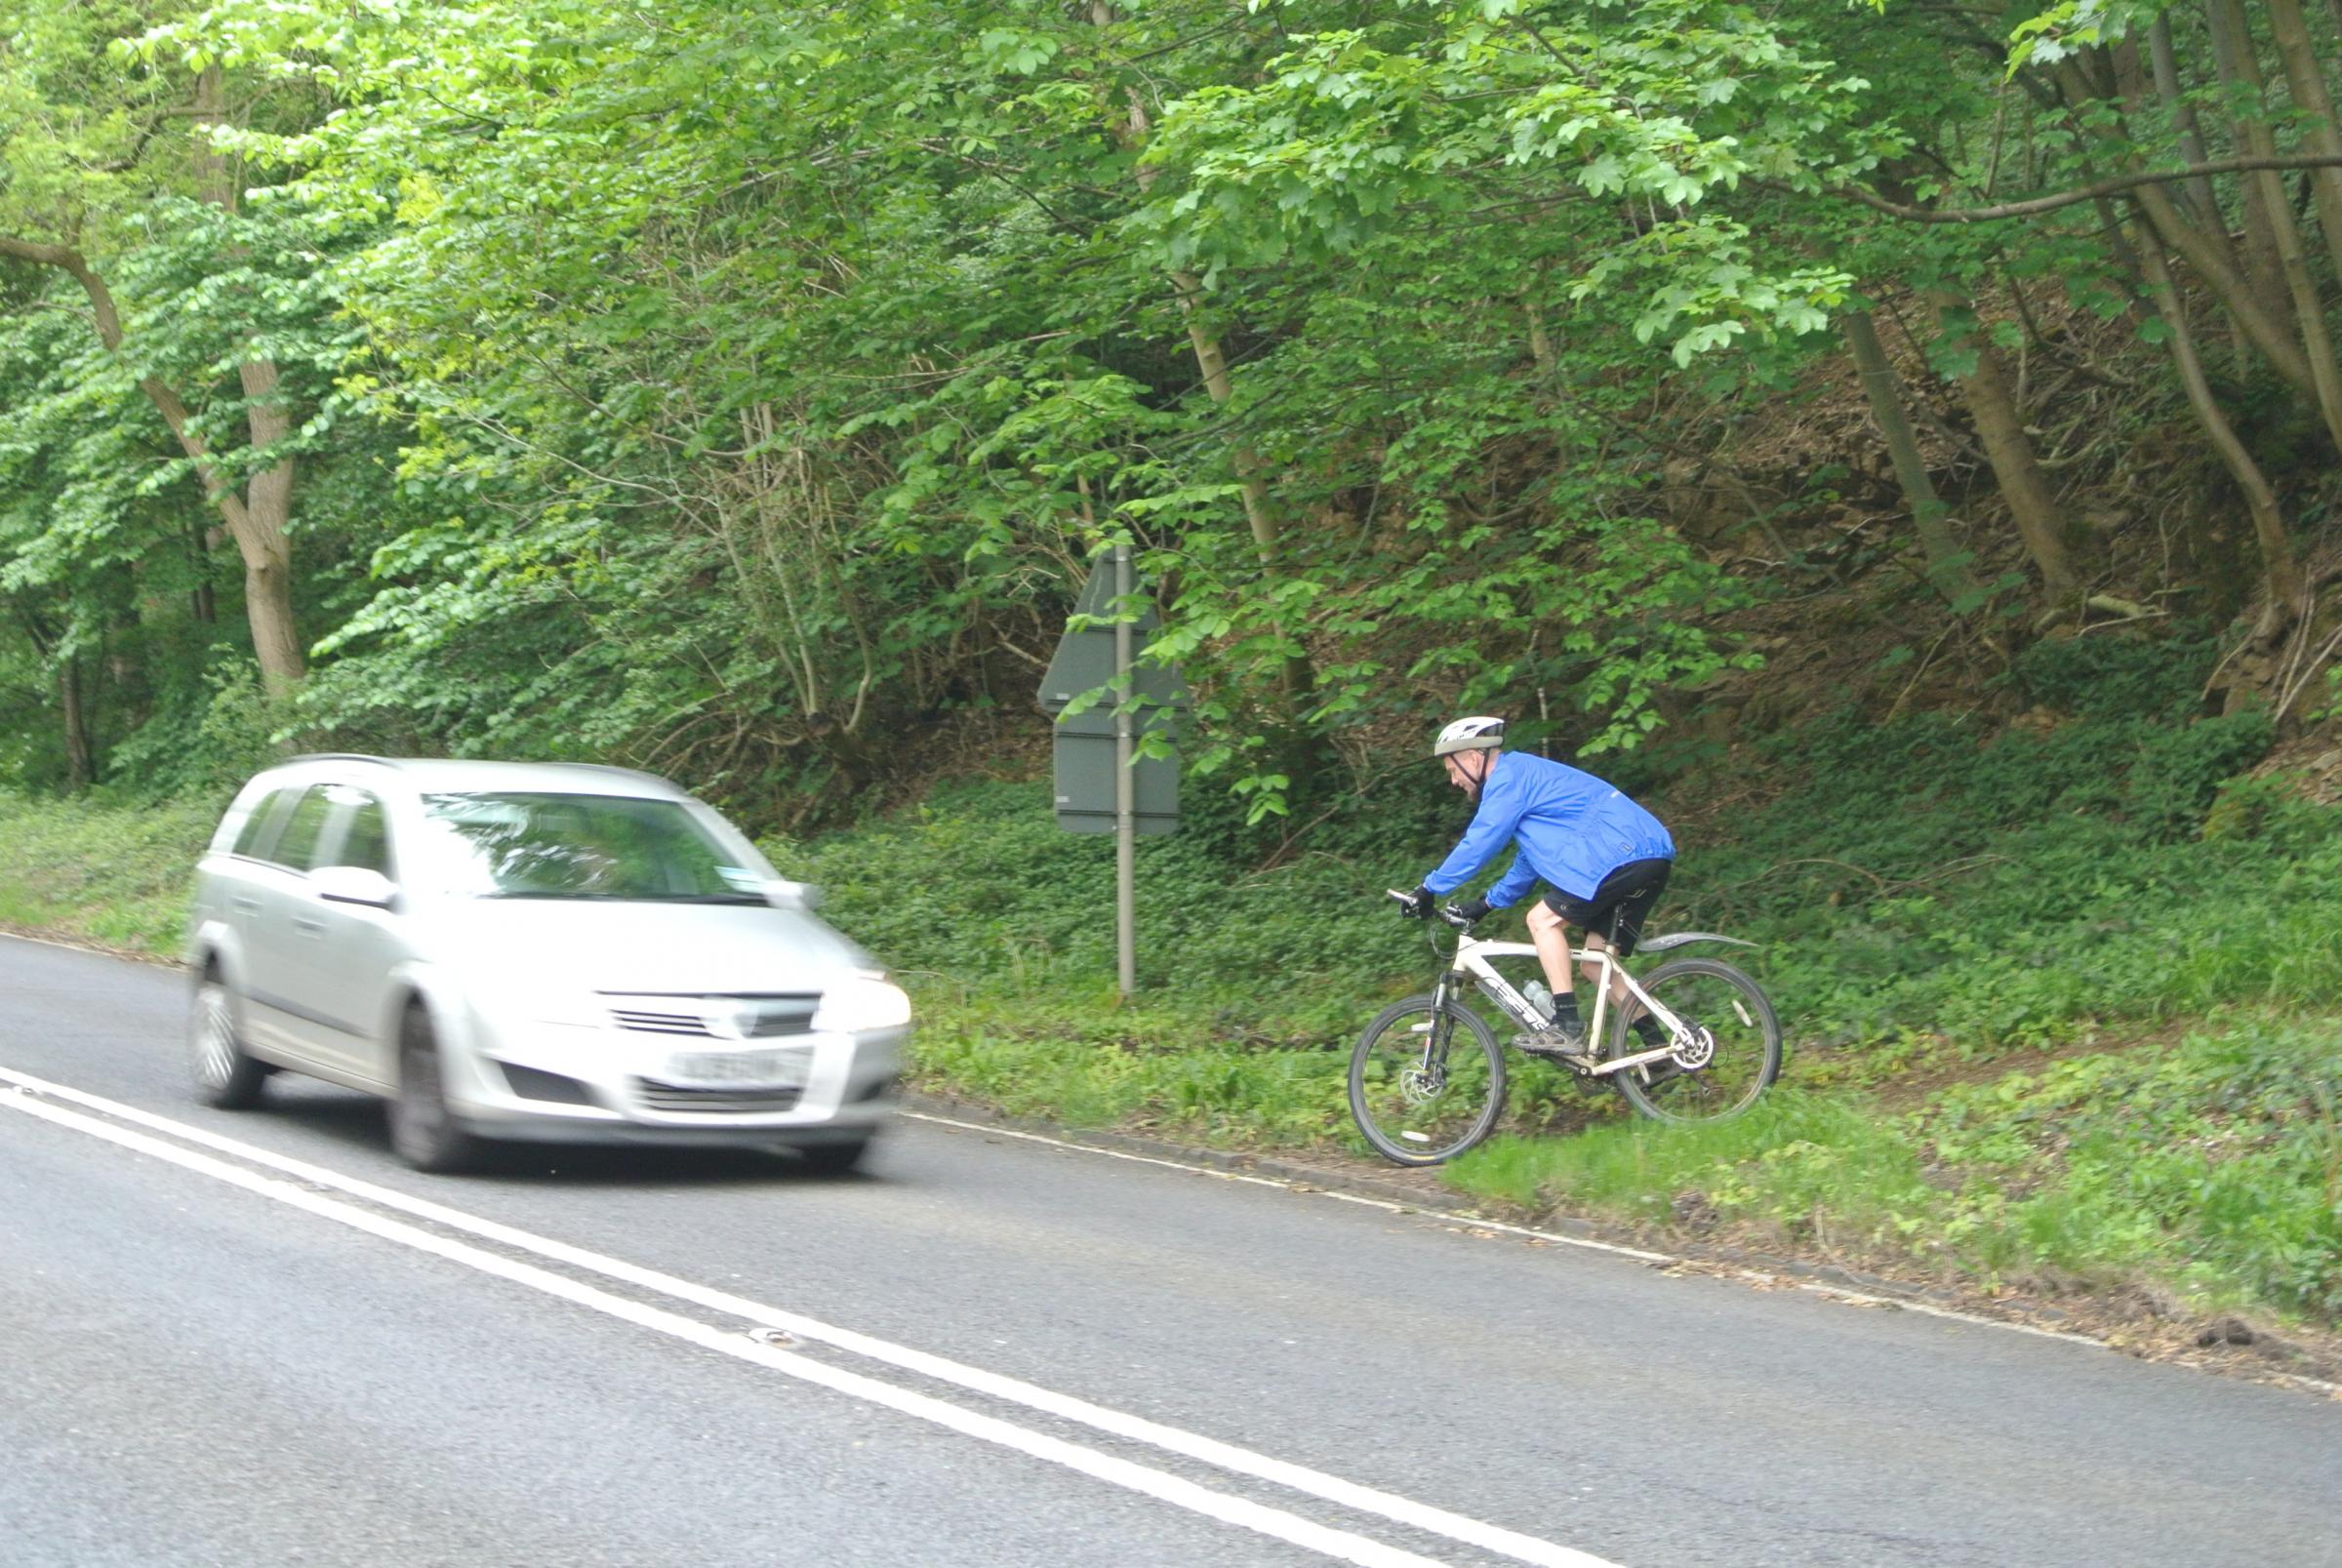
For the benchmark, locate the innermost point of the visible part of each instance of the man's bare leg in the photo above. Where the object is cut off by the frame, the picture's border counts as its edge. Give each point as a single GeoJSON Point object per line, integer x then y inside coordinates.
{"type": "Point", "coordinates": [1549, 934]}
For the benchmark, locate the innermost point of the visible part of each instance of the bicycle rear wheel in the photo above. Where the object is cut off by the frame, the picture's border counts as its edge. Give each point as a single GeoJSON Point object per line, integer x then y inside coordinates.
{"type": "Point", "coordinates": [1426, 1084]}
{"type": "Point", "coordinates": [1741, 1043]}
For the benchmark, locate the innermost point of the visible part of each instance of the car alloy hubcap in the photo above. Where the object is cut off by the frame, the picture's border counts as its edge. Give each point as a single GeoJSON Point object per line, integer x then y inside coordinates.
{"type": "Point", "coordinates": [214, 1036]}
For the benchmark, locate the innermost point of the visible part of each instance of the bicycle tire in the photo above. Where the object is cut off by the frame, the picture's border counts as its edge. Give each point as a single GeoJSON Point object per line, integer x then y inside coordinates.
{"type": "Point", "coordinates": [1408, 1121]}
{"type": "Point", "coordinates": [1747, 1055]}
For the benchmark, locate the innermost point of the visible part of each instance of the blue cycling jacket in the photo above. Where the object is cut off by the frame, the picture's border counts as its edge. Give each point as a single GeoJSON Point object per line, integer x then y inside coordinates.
{"type": "Point", "coordinates": [1573, 831]}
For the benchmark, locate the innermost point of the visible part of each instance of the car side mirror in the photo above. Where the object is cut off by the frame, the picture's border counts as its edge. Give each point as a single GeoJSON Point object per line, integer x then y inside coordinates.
{"type": "Point", "coordinates": [783, 894]}
{"type": "Point", "coordinates": [353, 884]}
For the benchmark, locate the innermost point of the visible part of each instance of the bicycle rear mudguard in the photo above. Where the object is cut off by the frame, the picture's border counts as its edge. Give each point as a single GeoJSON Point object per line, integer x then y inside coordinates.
{"type": "Point", "coordinates": [1679, 939]}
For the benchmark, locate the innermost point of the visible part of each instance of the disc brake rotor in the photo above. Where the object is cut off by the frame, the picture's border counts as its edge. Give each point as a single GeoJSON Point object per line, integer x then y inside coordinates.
{"type": "Point", "coordinates": [1694, 1049]}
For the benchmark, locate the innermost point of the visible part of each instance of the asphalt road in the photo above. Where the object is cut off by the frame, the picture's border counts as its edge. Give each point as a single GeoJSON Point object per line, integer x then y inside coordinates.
{"type": "Point", "coordinates": [282, 1346]}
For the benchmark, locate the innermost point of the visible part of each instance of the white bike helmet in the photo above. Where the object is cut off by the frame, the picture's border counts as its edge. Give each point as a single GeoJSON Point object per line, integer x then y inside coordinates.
{"type": "Point", "coordinates": [1480, 733]}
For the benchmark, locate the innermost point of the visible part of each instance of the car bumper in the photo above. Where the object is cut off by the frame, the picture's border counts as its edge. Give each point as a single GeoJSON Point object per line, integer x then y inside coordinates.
{"type": "Point", "coordinates": [558, 1084]}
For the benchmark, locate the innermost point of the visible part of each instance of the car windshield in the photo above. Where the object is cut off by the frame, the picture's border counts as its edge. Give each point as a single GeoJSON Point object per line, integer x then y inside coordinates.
{"type": "Point", "coordinates": [561, 846]}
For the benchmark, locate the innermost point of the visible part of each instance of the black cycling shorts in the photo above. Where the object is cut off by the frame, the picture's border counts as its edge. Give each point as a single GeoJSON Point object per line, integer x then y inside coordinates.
{"type": "Point", "coordinates": [1620, 906]}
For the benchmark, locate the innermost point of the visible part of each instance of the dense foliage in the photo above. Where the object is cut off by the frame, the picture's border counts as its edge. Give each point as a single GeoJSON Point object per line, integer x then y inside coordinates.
{"type": "Point", "coordinates": [738, 391]}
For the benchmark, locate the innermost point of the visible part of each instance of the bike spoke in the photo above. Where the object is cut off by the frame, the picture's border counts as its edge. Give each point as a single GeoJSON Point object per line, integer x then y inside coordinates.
{"type": "Point", "coordinates": [1424, 1086]}
{"type": "Point", "coordinates": [1734, 1054]}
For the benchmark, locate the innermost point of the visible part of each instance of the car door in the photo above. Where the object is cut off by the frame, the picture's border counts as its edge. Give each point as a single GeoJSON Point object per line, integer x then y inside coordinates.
{"type": "Point", "coordinates": [266, 901]}
{"type": "Point", "coordinates": [338, 975]}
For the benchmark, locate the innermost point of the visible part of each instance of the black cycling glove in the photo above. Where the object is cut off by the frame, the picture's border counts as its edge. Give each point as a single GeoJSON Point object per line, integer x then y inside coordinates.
{"type": "Point", "coordinates": [1472, 909]}
{"type": "Point", "coordinates": [1418, 904]}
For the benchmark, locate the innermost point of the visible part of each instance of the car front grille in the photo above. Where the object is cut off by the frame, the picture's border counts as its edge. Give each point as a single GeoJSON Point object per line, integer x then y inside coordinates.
{"type": "Point", "coordinates": [744, 1018]}
{"type": "Point", "coordinates": [676, 1099]}
{"type": "Point", "coordinates": [661, 1023]}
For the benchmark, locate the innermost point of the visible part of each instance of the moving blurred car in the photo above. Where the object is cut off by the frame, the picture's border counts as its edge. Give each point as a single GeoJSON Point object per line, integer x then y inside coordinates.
{"type": "Point", "coordinates": [538, 952]}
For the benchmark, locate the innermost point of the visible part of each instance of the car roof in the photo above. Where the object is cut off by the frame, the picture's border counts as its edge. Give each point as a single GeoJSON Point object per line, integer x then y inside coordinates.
{"type": "Point", "coordinates": [465, 776]}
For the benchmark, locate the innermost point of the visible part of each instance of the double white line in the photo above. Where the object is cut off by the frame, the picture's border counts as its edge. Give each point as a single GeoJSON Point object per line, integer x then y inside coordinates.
{"type": "Point", "coordinates": [117, 1123]}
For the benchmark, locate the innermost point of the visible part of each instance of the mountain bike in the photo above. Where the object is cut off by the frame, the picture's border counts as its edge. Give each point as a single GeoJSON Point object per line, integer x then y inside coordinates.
{"type": "Point", "coordinates": [1427, 1079]}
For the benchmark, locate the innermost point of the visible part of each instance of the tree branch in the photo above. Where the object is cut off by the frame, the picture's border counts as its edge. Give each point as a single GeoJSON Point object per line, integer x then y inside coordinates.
{"type": "Point", "coordinates": [2069, 198]}
{"type": "Point", "coordinates": [108, 321]}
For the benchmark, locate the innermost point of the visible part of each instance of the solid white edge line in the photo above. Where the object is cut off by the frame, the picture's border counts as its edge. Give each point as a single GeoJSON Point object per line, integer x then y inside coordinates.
{"type": "Point", "coordinates": [990, 1129]}
{"type": "Point", "coordinates": [1450, 1216]}
{"type": "Point", "coordinates": [1635, 1253]}
{"type": "Point", "coordinates": [1340, 1545]}
{"type": "Point", "coordinates": [1229, 1457]}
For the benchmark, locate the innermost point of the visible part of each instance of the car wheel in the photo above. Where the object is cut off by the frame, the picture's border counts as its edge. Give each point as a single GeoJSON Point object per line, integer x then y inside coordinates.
{"type": "Point", "coordinates": [423, 1132]}
{"type": "Point", "coordinates": [833, 1159]}
{"type": "Point", "coordinates": [225, 1079]}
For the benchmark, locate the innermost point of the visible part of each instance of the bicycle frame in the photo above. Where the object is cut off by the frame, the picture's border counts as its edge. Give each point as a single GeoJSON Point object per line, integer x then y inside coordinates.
{"type": "Point", "coordinates": [1472, 959]}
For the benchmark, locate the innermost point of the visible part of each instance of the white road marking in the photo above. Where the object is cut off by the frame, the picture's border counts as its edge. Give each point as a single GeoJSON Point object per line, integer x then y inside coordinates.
{"type": "Point", "coordinates": [1840, 1293]}
{"type": "Point", "coordinates": [1229, 1457]}
{"type": "Point", "coordinates": [1635, 1253]}
{"type": "Point", "coordinates": [1340, 1545]}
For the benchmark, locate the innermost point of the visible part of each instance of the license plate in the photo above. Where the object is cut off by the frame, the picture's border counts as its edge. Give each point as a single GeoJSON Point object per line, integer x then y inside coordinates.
{"type": "Point", "coordinates": [765, 1070]}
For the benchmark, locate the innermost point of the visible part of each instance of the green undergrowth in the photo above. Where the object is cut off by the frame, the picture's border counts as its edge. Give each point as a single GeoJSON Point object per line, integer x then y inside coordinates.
{"type": "Point", "coordinates": [116, 876]}
{"type": "Point", "coordinates": [2211, 1164]}
{"type": "Point", "coordinates": [1924, 896]}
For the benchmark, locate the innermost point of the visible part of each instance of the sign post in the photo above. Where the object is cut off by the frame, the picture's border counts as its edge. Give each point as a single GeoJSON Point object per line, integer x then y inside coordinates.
{"type": "Point", "coordinates": [1126, 798]}
{"type": "Point", "coordinates": [1102, 784]}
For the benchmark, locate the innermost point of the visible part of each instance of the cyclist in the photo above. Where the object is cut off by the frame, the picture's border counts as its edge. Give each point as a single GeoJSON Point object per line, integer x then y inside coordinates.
{"type": "Point", "coordinates": [1604, 859]}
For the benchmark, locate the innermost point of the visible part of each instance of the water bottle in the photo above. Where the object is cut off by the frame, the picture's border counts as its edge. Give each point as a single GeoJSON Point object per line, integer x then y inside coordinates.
{"type": "Point", "coordinates": [1539, 998]}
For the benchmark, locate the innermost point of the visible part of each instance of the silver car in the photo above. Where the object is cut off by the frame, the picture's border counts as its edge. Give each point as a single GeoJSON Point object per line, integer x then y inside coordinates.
{"type": "Point", "coordinates": [523, 951]}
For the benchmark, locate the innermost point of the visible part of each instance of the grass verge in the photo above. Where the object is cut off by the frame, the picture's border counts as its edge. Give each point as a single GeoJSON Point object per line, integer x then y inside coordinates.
{"type": "Point", "coordinates": [113, 876]}
{"type": "Point", "coordinates": [2211, 1165]}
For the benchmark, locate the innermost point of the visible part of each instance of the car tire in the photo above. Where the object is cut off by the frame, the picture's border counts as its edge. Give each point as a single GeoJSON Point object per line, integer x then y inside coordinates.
{"type": "Point", "coordinates": [423, 1131]}
{"type": "Point", "coordinates": [832, 1159]}
{"type": "Point", "coordinates": [226, 1077]}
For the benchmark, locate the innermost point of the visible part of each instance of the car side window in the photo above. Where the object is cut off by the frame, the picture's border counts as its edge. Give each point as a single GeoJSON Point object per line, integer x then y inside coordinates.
{"type": "Point", "coordinates": [259, 833]}
{"type": "Point", "coordinates": [365, 836]}
{"type": "Point", "coordinates": [297, 845]}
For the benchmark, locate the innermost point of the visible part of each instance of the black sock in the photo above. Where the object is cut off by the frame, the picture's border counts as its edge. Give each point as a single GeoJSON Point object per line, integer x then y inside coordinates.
{"type": "Point", "coordinates": [1565, 1015]}
{"type": "Point", "coordinates": [1648, 1029]}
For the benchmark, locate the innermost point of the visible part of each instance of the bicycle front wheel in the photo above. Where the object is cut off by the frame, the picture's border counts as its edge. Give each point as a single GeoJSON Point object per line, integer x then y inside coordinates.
{"type": "Point", "coordinates": [1734, 1054]}
{"type": "Point", "coordinates": [1426, 1083]}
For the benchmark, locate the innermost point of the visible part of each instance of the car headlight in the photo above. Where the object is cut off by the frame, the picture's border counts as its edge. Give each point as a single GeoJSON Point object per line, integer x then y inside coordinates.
{"type": "Point", "coordinates": [865, 1001]}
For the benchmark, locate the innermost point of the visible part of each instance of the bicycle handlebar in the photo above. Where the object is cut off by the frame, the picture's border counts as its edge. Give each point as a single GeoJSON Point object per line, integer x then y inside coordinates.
{"type": "Point", "coordinates": [1446, 911]}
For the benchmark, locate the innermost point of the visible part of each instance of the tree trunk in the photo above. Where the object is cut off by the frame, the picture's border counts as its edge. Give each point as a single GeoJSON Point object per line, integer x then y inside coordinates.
{"type": "Point", "coordinates": [2203, 198]}
{"type": "Point", "coordinates": [268, 549]}
{"type": "Point", "coordinates": [2243, 69]}
{"type": "Point", "coordinates": [2291, 32]}
{"type": "Point", "coordinates": [2201, 195]}
{"type": "Point", "coordinates": [267, 509]}
{"type": "Point", "coordinates": [1212, 362]}
{"type": "Point", "coordinates": [2031, 503]}
{"type": "Point", "coordinates": [2272, 336]}
{"type": "Point", "coordinates": [1947, 567]}
{"type": "Point", "coordinates": [203, 604]}
{"type": "Point", "coordinates": [1297, 677]}
{"type": "Point", "coordinates": [2280, 573]}
{"type": "Point", "coordinates": [81, 769]}
{"type": "Point", "coordinates": [2240, 72]}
